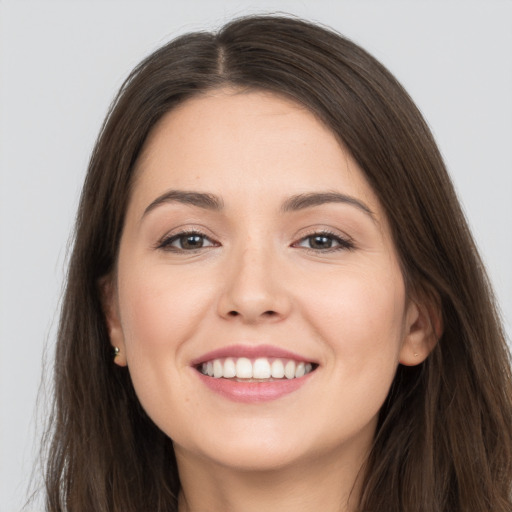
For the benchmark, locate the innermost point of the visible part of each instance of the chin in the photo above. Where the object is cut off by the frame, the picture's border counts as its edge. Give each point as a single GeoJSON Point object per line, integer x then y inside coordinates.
{"type": "Point", "coordinates": [250, 449]}
{"type": "Point", "coordinates": [257, 458]}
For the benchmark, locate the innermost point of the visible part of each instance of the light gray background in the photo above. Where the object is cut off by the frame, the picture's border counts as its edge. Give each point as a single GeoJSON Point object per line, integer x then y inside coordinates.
{"type": "Point", "coordinates": [62, 62]}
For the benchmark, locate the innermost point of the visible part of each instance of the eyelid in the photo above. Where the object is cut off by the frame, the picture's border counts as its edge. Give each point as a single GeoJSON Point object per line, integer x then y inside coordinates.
{"type": "Point", "coordinates": [345, 242]}
{"type": "Point", "coordinates": [164, 243]}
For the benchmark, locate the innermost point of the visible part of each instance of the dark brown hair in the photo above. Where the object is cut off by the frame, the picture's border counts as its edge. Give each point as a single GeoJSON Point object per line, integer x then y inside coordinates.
{"type": "Point", "coordinates": [444, 438]}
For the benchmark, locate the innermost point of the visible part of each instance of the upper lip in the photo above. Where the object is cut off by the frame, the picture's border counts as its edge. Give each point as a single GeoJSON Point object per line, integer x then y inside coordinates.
{"type": "Point", "coordinates": [251, 352]}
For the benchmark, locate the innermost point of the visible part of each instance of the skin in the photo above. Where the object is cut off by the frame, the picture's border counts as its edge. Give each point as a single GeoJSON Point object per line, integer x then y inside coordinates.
{"type": "Point", "coordinates": [256, 281]}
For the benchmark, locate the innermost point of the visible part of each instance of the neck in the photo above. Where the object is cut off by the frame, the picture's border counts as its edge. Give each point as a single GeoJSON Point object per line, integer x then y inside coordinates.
{"type": "Point", "coordinates": [328, 485]}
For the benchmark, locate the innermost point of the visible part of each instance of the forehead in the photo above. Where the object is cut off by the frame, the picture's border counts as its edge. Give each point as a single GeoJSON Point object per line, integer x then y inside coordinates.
{"type": "Point", "coordinates": [246, 144]}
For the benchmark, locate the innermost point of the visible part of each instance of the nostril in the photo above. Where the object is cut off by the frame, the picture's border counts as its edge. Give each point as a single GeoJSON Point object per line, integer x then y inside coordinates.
{"type": "Point", "coordinates": [269, 313]}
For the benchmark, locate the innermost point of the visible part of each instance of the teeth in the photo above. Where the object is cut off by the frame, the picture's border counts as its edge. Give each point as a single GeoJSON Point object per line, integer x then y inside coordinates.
{"type": "Point", "coordinates": [243, 368]}
{"type": "Point", "coordinates": [229, 368]}
{"type": "Point", "coordinates": [218, 368]}
{"type": "Point", "coordinates": [277, 369]}
{"type": "Point", "coordinates": [261, 368]}
{"type": "Point", "coordinates": [289, 370]}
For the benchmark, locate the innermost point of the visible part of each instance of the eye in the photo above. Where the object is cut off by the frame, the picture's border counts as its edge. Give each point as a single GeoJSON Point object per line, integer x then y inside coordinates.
{"type": "Point", "coordinates": [325, 242]}
{"type": "Point", "coordinates": [186, 241]}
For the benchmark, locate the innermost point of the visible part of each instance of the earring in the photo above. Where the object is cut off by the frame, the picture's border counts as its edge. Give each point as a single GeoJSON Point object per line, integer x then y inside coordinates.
{"type": "Point", "coordinates": [116, 351]}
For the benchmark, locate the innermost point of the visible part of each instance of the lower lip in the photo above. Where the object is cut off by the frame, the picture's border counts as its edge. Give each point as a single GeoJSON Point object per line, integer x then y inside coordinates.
{"type": "Point", "coordinates": [253, 392]}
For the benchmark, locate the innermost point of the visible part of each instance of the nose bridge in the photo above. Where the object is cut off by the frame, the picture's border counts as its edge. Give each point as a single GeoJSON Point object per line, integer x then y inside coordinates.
{"type": "Point", "coordinates": [252, 285]}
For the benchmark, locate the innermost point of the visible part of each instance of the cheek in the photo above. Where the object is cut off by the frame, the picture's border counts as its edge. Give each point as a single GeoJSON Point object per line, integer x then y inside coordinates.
{"type": "Point", "coordinates": [360, 316]}
{"type": "Point", "coordinates": [160, 308]}
{"type": "Point", "coordinates": [359, 319]}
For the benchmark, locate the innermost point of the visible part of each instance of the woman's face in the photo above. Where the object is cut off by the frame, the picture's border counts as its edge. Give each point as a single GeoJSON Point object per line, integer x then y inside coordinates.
{"type": "Point", "coordinates": [253, 246]}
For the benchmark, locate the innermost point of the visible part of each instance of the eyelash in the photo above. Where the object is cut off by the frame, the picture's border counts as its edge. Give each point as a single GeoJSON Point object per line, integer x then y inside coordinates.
{"type": "Point", "coordinates": [343, 243]}
{"type": "Point", "coordinates": [166, 242]}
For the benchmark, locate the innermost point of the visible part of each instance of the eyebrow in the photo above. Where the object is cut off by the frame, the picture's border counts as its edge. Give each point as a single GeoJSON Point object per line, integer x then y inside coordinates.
{"type": "Point", "coordinates": [303, 201]}
{"type": "Point", "coordinates": [199, 199]}
{"type": "Point", "coordinates": [293, 203]}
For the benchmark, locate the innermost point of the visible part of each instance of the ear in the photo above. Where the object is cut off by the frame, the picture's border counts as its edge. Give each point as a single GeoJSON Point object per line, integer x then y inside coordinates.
{"type": "Point", "coordinates": [110, 306]}
{"type": "Point", "coordinates": [423, 328]}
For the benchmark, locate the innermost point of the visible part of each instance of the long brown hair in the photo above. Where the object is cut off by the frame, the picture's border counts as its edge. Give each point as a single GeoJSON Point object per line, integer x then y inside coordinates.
{"type": "Point", "coordinates": [444, 438]}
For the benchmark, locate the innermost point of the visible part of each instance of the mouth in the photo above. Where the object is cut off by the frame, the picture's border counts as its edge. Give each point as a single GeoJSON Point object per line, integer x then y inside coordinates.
{"type": "Point", "coordinates": [254, 374]}
{"type": "Point", "coordinates": [261, 369]}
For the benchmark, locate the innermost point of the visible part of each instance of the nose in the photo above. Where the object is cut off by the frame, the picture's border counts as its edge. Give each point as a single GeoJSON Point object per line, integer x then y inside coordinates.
{"type": "Point", "coordinates": [254, 288]}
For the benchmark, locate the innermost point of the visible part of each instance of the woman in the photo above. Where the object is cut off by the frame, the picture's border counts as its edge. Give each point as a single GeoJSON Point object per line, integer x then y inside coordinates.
{"type": "Point", "coordinates": [273, 300]}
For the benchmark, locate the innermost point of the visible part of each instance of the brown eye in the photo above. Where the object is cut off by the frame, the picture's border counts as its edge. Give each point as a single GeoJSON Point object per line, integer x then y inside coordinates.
{"type": "Point", "coordinates": [324, 242]}
{"type": "Point", "coordinates": [189, 241]}
{"type": "Point", "coordinates": [320, 242]}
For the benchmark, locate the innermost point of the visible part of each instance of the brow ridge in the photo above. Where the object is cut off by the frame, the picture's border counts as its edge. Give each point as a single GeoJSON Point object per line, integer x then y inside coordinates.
{"type": "Point", "coordinates": [310, 199]}
{"type": "Point", "coordinates": [296, 202]}
{"type": "Point", "coordinates": [199, 199]}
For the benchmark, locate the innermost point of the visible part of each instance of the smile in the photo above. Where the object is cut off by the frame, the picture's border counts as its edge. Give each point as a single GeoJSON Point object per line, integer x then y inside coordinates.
{"type": "Point", "coordinates": [262, 369]}
{"type": "Point", "coordinates": [254, 373]}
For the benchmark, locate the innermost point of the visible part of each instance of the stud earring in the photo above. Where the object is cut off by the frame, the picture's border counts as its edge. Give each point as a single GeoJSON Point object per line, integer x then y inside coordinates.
{"type": "Point", "coordinates": [116, 351]}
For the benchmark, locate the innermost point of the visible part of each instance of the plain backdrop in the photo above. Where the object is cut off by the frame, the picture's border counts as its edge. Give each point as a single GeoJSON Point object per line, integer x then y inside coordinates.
{"type": "Point", "coordinates": [61, 64]}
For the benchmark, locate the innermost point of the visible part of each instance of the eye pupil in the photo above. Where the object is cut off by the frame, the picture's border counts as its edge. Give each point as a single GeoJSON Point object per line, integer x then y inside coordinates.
{"type": "Point", "coordinates": [191, 241]}
{"type": "Point", "coordinates": [320, 242]}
